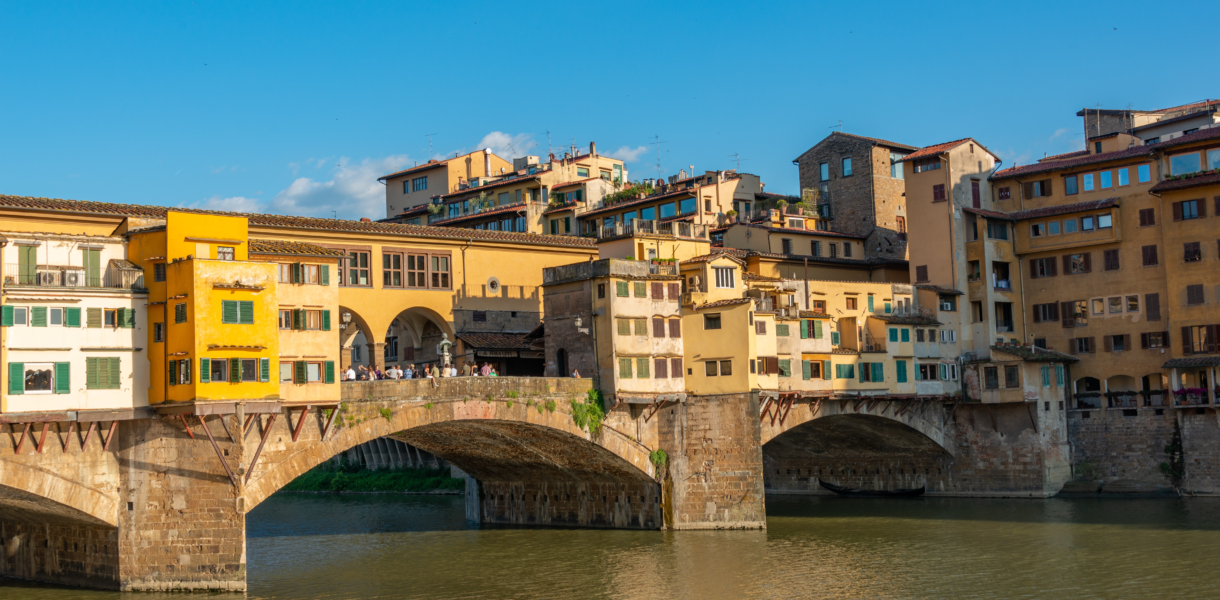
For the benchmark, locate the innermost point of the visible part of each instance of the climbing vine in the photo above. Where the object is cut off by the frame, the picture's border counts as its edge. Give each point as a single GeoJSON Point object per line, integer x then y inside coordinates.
{"type": "Point", "coordinates": [588, 415]}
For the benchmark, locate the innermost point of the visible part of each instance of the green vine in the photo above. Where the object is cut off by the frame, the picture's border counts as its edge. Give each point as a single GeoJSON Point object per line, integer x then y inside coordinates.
{"type": "Point", "coordinates": [428, 405]}
{"type": "Point", "coordinates": [588, 415]}
{"type": "Point", "coordinates": [659, 458]}
{"type": "Point", "coordinates": [386, 413]}
{"type": "Point", "coordinates": [550, 406]}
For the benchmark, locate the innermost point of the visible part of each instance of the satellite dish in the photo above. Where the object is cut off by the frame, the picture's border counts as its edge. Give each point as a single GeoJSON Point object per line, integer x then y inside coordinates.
{"type": "Point", "coordinates": [493, 284]}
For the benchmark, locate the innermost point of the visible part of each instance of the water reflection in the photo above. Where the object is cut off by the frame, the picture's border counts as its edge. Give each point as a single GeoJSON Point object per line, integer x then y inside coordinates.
{"type": "Point", "coordinates": [372, 547]}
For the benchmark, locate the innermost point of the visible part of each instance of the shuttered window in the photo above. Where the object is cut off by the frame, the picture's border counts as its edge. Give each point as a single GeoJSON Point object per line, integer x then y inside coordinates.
{"type": "Point", "coordinates": [1111, 260]}
{"type": "Point", "coordinates": [641, 289]}
{"type": "Point", "coordinates": [239, 312]}
{"type": "Point", "coordinates": [658, 291]}
{"type": "Point", "coordinates": [675, 328]}
{"type": "Point", "coordinates": [921, 273]}
{"type": "Point", "coordinates": [1149, 255]}
{"type": "Point", "coordinates": [675, 365]}
{"type": "Point", "coordinates": [661, 367]}
{"type": "Point", "coordinates": [1152, 307]}
{"type": "Point", "coordinates": [624, 368]}
{"type": "Point", "coordinates": [93, 317]}
{"type": "Point", "coordinates": [102, 373]}
{"type": "Point", "coordinates": [620, 289]}
{"type": "Point", "coordinates": [900, 370]}
{"type": "Point", "coordinates": [179, 313]}
{"type": "Point", "coordinates": [1194, 294]}
{"type": "Point", "coordinates": [1147, 217]}
{"type": "Point", "coordinates": [675, 290]}
{"type": "Point", "coordinates": [641, 368]}
{"type": "Point", "coordinates": [658, 327]}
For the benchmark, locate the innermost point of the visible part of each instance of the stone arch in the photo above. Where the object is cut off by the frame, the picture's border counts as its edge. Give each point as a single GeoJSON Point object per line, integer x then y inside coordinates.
{"type": "Point", "coordinates": [423, 328]}
{"type": "Point", "coordinates": [538, 437]}
{"type": "Point", "coordinates": [348, 334]}
{"type": "Point", "coordinates": [926, 417]}
{"type": "Point", "coordinates": [37, 491]}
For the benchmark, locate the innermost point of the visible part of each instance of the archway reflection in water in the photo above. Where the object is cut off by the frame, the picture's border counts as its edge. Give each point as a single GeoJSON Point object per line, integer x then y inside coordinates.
{"type": "Point", "coordinates": [391, 546]}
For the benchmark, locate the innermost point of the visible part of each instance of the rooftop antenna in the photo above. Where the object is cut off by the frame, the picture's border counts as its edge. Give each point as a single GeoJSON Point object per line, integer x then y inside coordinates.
{"type": "Point", "coordinates": [738, 159]}
{"type": "Point", "coordinates": [840, 126]}
{"type": "Point", "coordinates": [429, 136]}
{"type": "Point", "coordinates": [657, 141]}
{"type": "Point", "coordinates": [549, 149]}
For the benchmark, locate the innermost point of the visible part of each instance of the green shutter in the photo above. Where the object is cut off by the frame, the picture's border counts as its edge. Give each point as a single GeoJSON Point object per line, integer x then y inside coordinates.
{"type": "Point", "coordinates": [785, 368]}
{"type": "Point", "coordinates": [180, 312]}
{"type": "Point", "coordinates": [918, 374]}
{"type": "Point", "coordinates": [173, 372]}
{"type": "Point", "coordinates": [1046, 375]}
{"type": "Point", "coordinates": [621, 289]}
{"type": "Point", "coordinates": [324, 278]}
{"type": "Point", "coordinates": [817, 330]}
{"type": "Point", "coordinates": [72, 316]}
{"type": "Point", "coordinates": [870, 304]}
{"type": "Point", "coordinates": [326, 320]}
{"type": "Point", "coordinates": [330, 371]}
{"type": "Point", "coordinates": [205, 370]}
{"type": "Point", "coordinates": [906, 335]}
{"type": "Point", "coordinates": [900, 367]}
{"type": "Point", "coordinates": [834, 338]}
{"type": "Point", "coordinates": [38, 316]}
{"type": "Point", "coordinates": [128, 318]}
{"type": "Point", "coordinates": [264, 369]}
{"type": "Point", "coordinates": [1058, 374]}
{"type": "Point", "coordinates": [246, 316]}
{"type": "Point", "coordinates": [878, 372]}
{"type": "Point", "coordinates": [296, 272]}
{"type": "Point", "coordinates": [228, 311]}
{"type": "Point", "coordinates": [298, 319]}
{"type": "Point", "coordinates": [944, 372]}
{"type": "Point", "coordinates": [642, 368]}
{"type": "Point", "coordinates": [893, 334]}
{"type": "Point", "coordinates": [825, 369]}
{"type": "Point", "coordinates": [16, 378]}
{"type": "Point", "coordinates": [234, 370]}
{"type": "Point", "coordinates": [27, 265]}
{"type": "Point", "coordinates": [860, 375]}
{"type": "Point", "coordinates": [806, 370]}
{"type": "Point", "coordinates": [624, 367]}
{"type": "Point", "coordinates": [115, 376]}
{"type": "Point", "coordinates": [887, 308]}
{"type": "Point", "coordinates": [6, 316]}
{"type": "Point", "coordinates": [804, 329]}
{"type": "Point", "coordinates": [299, 370]}
{"type": "Point", "coordinates": [92, 261]}
{"type": "Point", "coordinates": [63, 378]}
{"type": "Point", "coordinates": [641, 289]}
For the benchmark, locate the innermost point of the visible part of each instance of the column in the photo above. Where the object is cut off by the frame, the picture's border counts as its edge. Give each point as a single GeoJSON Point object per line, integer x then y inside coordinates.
{"type": "Point", "coordinates": [376, 355]}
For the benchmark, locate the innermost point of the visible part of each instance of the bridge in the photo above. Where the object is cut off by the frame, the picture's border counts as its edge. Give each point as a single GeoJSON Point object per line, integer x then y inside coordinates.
{"type": "Point", "coordinates": [159, 503]}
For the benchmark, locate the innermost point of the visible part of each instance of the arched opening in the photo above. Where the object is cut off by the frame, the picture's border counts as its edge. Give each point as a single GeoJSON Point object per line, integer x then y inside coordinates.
{"type": "Point", "coordinates": [852, 450]}
{"type": "Point", "coordinates": [1088, 392]}
{"type": "Point", "coordinates": [1153, 388]}
{"type": "Point", "coordinates": [1122, 392]}
{"type": "Point", "coordinates": [356, 339]}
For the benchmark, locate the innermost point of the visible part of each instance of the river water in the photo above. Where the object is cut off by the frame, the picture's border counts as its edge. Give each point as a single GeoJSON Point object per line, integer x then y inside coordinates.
{"type": "Point", "coordinates": [364, 547]}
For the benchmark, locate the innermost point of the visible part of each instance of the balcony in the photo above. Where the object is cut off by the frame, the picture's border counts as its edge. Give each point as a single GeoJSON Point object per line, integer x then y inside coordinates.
{"type": "Point", "coordinates": [676, 229]}
{"type": "Point", "coordinates": [663, 268]}
{"type": "Point", "coordinates": [73, 277]}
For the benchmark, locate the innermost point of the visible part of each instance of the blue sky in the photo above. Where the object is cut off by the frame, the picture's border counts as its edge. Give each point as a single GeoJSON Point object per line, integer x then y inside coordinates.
{"type": "Point", "coordinates": [297, 107]}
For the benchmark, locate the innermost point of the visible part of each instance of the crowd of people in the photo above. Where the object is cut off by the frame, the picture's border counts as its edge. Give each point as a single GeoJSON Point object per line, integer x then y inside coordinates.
{"type": "Point", "coordinates": [429, 371]}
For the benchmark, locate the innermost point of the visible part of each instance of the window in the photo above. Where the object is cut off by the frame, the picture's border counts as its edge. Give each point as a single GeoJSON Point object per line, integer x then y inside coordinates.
{"type": "Point", "coordinates": [997, 231]}
{"type": "Point", "coordinates": [1107, 179]}
{"type": "Point", "coordinates": [1052, 228]}
{"type": "Point", "coordinates": [666, 210]}
{"type": "Point", "coordinates": [1111, 260]}
{"type": "Point", "coordinates": [1037, 230]}
{"type": "Point", "coordinates": [641, 289]}
{"type": "Point", "coordinates": [1149, 255]}
{"type": "Point", "coordinates": [622, 289]}
{"type": "Point", "coordinates": [417, 271]}
{"type": "Point", "coordinates": [1200, 339]}
{"type": "Point", "coordinates": [851, 303]}
{"type": "Point", "coordinates": [601, 290]}
{"type": "Point", "coordinates": [1187, 210]}
{"type": "Point", "coordinates": [724, 277]}
{"type": "Point", "coordinates": [1075, 264]}
{"type": "Point", "coordinates": [1005, 193]}
{"type": "Point", "coordinates": [1123, 177]}
{"type": "Point", "coordinates": [1105, 221]}
{"type": "Point", "coordinates": [900, 223]}
{"type": "Point", "coordinates": [710, 368]}
{"type": "Point", "coordinates": [159, 272]}
{"type": "Point", "coordinates": [624, 326]}
{"type": "Point", "coordinates": [1192, 252]}
{"type": "Point", "coordinates": [786, 246]}
{"type": "Point", "coordinates": [1043, 267]}
{"type": "Point", "coordinates": [110, 317]}
{"type": "Point", "coordinates": [1117, 343]}
{"type": "Point", "coordinates": [927, 164]}
{"type": "Point", "coordinates": [391, 270]}
{"type": "Point", "coordinates": [991, 376]}
{"type": "Point", "coordinates": [419, 184]}
{"type": "Point", "coordinates": [895, 166]}
{"type": "Point", "coordinates": [1038, 189]}
{"type": "Point", "coordinates": [224, 253]}
{"type": "Point", "coordinates": [1088, 182]}
{"type": "Point", "coordinates": [1086, 223]}
{"type": "Point", "coordinates": [640, 326]}
{"type": "Point", "coordinates": [1069, 226]}
{"type": "Point", "coordinates": [824, 172]}
{"type": "Point", "coordinates": [1114, 304]}
{"type": "Point", "coordinates": [845, 371]}
{"type": "Point", "coordinates": [687, 205]}
{"type": "Point", "coordinates": [847, 166]}
{"type": "Point", "coordinates": [675, 328]}
{"type": "Point", "coordinates": [285, 372]}
{"type": "Point", "coordinates": [1213, 159]}
{"type": "Point", "coordinates": [760, 327]}
{"type": "Point", "coordinates": [1154, 339]}
{"type": "Point", "coordinates": [711, 321]}
{"type": "Point", "coordinates": [1133, 303]}
{"type": "Point", "coordinates": [358, 269]}
{"type": "Point", "coordinates": [726, 368]}
{"type": "Point", "coordinates": [582, 171]}
{"type": "Point", "coordinates": [1147, 217]}
{"type": "Point", "coordinates": [1012, 376]}
{"type": "Point", "coordinates": [285, 318]}
{"type": "Point", "coordinates": [1069, 185]}
{"type": "Point", "coordinates": [440, 272]}
{"type": "Point", "coordinates": [1044, 313]}
{"type": "Point", "coordinates": [249, 368]}
{"type": "Point", "coordinates": [1194, 295]}
{"type": "Point", "coordinates": [240, 312]}
{"type": "Point", "coordinates": [938, 192]}
{"type": "Point", "coordinates": [1184, 163]}
{"type": "Point", "coordinates": [218, 370]}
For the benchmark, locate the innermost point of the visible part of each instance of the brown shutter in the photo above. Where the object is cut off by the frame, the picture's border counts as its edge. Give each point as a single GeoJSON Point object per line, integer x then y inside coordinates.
{"type": "Point", "coordinates": [658, 327]}
{"type": "Point", "coordinates": [675, 328]}
{"type": "Point", "coordinates": [676, 363]}
{"type": "Point", "coordinates": [1217, 206]}
{"type": "Point", "coordinates": [1069, 318]}
{"type": "Point", "coordinates": [1152, 307]}
{"type": "Point", "coordinates": [1054, 266]}
{"type": "Point", "coordinates": [1047, 188]}
{"type": "Point", "coordinates": [1144, 341]}
{"type": "Point", "coordinates": [1202, 208]}
{"type": "Point", "coordinates": [1186, 341]}
{"type": "Point", "coordinates": [658, 291]}
{"type": "Point", "coordinates": [1092, 344]}
{"type": "Point", "coordinates": [1212, 332]}
{"type": "Point", "coordinates": [1143, 217]}
{"type": "Point", "coordinates": [1107, 343]}
{"type": "Point", "coordinates": [1165, 340]}
{"type": "Point", "coordinates": [1177, 211]}
{"type": "Point", "coordinates": [660, 368]}
{"type": "Point", "coordinates": [1072, 345]}
{"type": "Point", "coordinates": [1054, 311]}
{"type": "Point", "coordinates": [1144, 252]}
{"type": "Point", "coordinates": [1126, 341]}
{"type": "Point", "coordinates": [1033, 269]}
{"type": "Point", "coordinates": [1088, 262]}
{"type": "Point", "coordinates": [1037, 316]}
{"type": "Point", "coordinates": [675, 290]}
{"type": "Point", "coordinates": [1028, 190]}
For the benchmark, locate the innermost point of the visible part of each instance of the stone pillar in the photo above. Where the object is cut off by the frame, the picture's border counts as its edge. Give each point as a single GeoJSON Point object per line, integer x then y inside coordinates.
{"type": "Point", "coordinates": [715, 474]}
{"type": "Point", "coordinates": [474, 510]}
{"type": "Point", "coordinates": [376, 355]}
{"type": "Point", "coordinates": [345, 358]}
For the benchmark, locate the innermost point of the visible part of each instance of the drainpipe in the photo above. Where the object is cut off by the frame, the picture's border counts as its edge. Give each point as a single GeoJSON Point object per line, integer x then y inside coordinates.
{"type": "Point", "coordinates": [597, 365]}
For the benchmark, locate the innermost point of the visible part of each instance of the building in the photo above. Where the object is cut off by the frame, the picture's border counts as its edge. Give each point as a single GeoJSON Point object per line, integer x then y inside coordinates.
{"type": "Point", "coordinates": [857, 183]}
{"type": "Point", "coordinates": [1150, 126]}
{"type": "Point", "coordinates": [416, 186]}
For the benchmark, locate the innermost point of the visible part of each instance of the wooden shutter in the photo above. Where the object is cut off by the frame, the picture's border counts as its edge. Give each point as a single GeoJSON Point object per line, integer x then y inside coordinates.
{"type": "Point", "coordinates": [72, 316]}
{"type": "Point", "coordinates": [296, 273]}
{"type": "Point", "coordinates": [129, 318]}
{"type": "Point", "coordinates": [246, 312]}
{"type": "Point", "coordinates": [675, 328]}
{"type": "Point", "coordinates": [299, 373]}
{"type": "Point", "coordinates": [264, 369]}
{"type": "Point", "coordinates": [1187, 342]}
{"type": "Point", "coordinates": [330, 371]}
{"type": "Point", "coordinates": [93, 317]}
{"type": "Point", "coordinates": [205, 370]}
{"type": "Point", "coordinates": [1088, 262]}
{"type": "Point", "coordinates": [878, 371]}
{"type": "Point", "coordinates": [804, 329]}
{"type": "Point", "coordinates": [298, 319]}
{"type": "Point", "coordinates": [1054, 311]}
{"type": "Point", "coordinates": [658, 291]}
{"type": "Point", "coordinates": [1038, 313]}
{"type": "Point", "coordinates": [114, 378]}
{"type": "Point", "coordinates": [63, 378]}
{"type": "Point", "coordinates": [172, 372]}
{"type": "Point", "coordinates": [817, 329]}
{"type": "Point", "coordinates": [1144, 341]}
{"type": "Point", "coordinates": [1209, 346]}
{"type": "Point", "coordinates": [1127, 341]}
{"type": "Point", "coordinates": [1069, 315]}
{"type": "Point", "coordinates": [1177, 211]}
{"type": "Point", "coordinates": [1047, 187]}
{"type": "Point", "coordinates": [324, 275]}
{"type": "Point", "coordinates": [1108, 343]}
{"type": "Point", "coordinates": [234, 370]}
{"type": "Point", "coordinates": [661, 368]}
{"type": "Point", "coordinates": [1067, 264]}
{"type": "Point", "coordinates": [1028, 190]}
{"type": "Point", "coordinates": [326, 320]}
{"type": "Point", "coordinates": [228, 311]}
{"type": "Point", "coordinates": [658, 327]}
{"type": "Point", "coordinates": [1202, 208]}
{"type": "Point", "coordinates": [675, 291]}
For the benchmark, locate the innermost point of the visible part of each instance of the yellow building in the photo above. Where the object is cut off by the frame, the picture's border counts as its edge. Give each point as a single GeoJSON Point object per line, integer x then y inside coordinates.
{"type": "Point", "coordinates": [417, 185]}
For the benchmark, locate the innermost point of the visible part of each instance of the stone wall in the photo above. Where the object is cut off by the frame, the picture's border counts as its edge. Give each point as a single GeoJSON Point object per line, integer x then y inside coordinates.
{"type": "Point", "coordinates": [1110, 445]}
{"type": "Point", "coordinates": [633, 505]}
{"type": "Point", "coordinates": [59, 552]}
{"type": "Point", "coordinates": [715, 477]}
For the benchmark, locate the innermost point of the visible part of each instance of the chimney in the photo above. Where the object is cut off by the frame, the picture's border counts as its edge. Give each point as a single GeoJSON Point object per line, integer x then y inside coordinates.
{"type": "Point", "coordinates": [593, 148]}
{"type": "Point", "coordinates": [365, 220]}
{"type": "Point", "coordinates": [487, 162]}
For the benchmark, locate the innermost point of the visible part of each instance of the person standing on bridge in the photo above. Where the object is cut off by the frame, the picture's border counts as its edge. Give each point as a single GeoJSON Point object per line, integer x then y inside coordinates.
{"type": "Point", "coordinates": [466, 368]}
{"type": "Point", "coordinates": [485, 371]}
{"type": "Point", "coordinates": [350, 375]}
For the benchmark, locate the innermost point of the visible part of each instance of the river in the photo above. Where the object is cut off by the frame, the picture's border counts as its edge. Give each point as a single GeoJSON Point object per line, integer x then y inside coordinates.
{"type": "Point", "coordinates": [317, 547]}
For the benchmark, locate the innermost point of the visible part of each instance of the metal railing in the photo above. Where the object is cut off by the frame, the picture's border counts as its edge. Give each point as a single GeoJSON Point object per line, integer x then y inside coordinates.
{"type": "Point", "coordinates": [679, 229]}
{"type": "Point", "coordinates": [53, 276]}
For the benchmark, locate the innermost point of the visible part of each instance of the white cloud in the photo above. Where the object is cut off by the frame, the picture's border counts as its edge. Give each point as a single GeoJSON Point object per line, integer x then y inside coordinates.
{"type": "Point", "coordinates": [352, 191]}
{"type": "Point", "coordinates": [1058, 132]}
{"type": "Point", "coordinates": [231, 204]}
{"type": "Point", "coordinates": [507, 146]}
{"type": "Point", "coordinates": [628, 154]}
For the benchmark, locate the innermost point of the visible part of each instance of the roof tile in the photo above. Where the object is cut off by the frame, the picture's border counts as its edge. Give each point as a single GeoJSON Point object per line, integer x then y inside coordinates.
{"type": "Point", "coordinates": [1063, 209]}
{"type": "Point", "coordinates": [295, 248]}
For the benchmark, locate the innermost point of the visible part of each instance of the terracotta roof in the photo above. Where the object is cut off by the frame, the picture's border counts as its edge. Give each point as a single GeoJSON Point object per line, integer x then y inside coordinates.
{"type": "Point", "coordinates": [1194, 361]}
{"type": "Point", "coordinates": [567, 183]}
{"type": "Point", "coordinates": [827, 259]}
{"type": "Point", "coordinates": [937, 149]}
{"type": "Point", "coordinates": [747, 276]}
{"type": "Point", "coordinates": [809, 314]}
{"type": "Point", "coordinates": [906, 320]}
{"type": "Point", "coordinates": [645, 200]}
{"type": "Point", "coordinates": [710, 257]}
{"type": "Point", "coordinates": [432, 164]}
{"type": "Point", "coordinates": [475, 191]}
{"type": "Point", "coordinates": [295, 248]}
{"type": "Point", "coordinates": [490, 212]}
{"type": "Point", "coordinates": [859, 137]}
{"type": "Point", "coordinates": [794, 230]}
{"type": "Point", "coordinates": [1189, 181]}
{"type": "Point", "coordinates": [991, 214]}
{"type": "Point", "coordinates": [561, 208]}
{"type": "Point", "coordinates": [1063, 209]}
{"type": "Point", "coordinates": [1045, 167]}
{"type": "Point", "coordinates": [939, 290]}
{"type": "Point", "coordinates": [1064, 156]}
{"type": "Point", "coordinates": [1200, 104]}
{"type": "Point", "coordinates": [1201, 135]}
{"type": "Point", "coordinates": [495, 341]}
{"type": "Point", "coordinates": [1035, 354]}
{"type": "Point", "coordinates": [720, 303]}
{"type": "Point", "coordinates": [410, 212]}
{"type": "Point", "coordinates": [309, 223]}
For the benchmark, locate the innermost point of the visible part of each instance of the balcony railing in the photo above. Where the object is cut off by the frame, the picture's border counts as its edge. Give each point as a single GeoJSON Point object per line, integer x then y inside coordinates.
{"type": "Point", "coordinates": [53, 276]}
{"type": "Point", "coordinates": [665, 268]}
{"type": "Point", "coordinates": [678, 229]}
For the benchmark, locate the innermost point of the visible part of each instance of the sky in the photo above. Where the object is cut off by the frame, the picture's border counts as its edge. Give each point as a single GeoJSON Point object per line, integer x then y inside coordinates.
{"type": "Point", "coordinates": [297, 107]}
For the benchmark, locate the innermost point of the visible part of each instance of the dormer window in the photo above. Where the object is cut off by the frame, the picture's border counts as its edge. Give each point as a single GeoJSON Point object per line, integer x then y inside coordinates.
{"type": "Point", "coordinates": [724, 277]}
